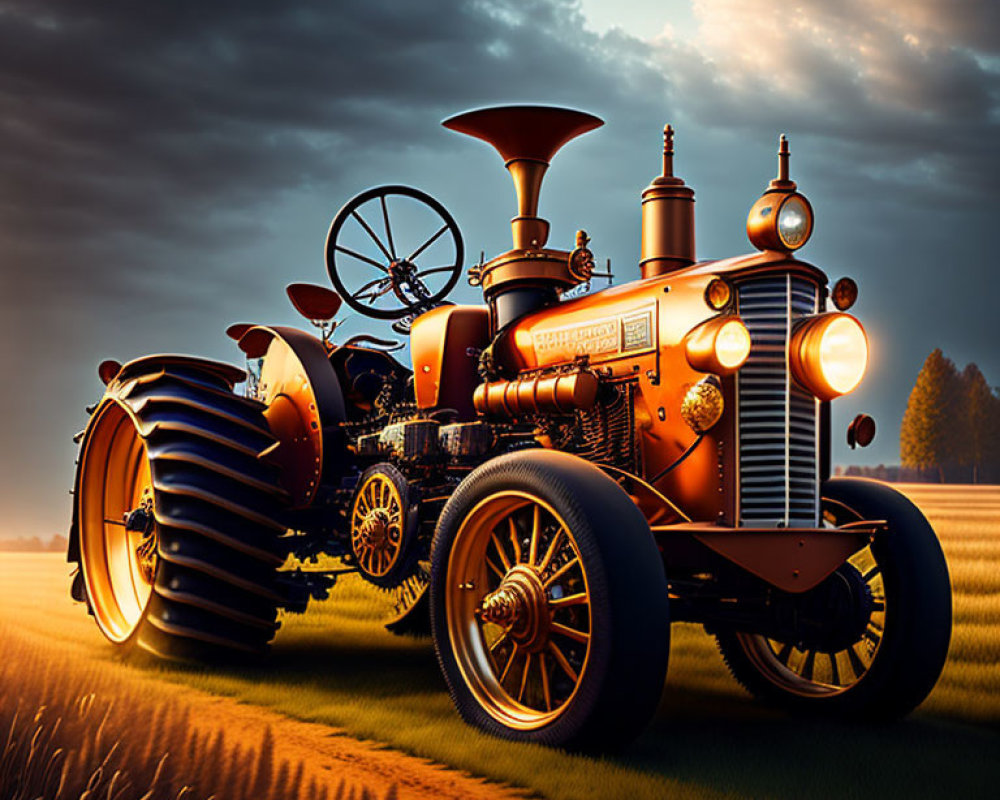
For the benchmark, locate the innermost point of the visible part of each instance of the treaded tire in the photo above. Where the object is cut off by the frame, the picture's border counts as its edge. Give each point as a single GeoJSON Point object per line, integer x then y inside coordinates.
{"type": "Point", "coordinates": [217, 509]}
{"type": "Point", "coordinates": [914, 646]}
{"type": "Point", "coordinates": [620, 687]}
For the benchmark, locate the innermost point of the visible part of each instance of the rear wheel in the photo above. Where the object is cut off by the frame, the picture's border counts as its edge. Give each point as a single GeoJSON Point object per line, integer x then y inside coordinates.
{"type": "Point", "coordinates": [904, 596]}
{"type": "Point", "coordinates": [178, 518]}
{"type": "Point", "coordinates": [549, 603]}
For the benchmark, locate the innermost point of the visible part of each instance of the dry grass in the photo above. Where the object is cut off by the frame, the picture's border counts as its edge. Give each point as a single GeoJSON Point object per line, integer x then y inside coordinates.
{"type": "Point", "coordinates": [335, 665]}
{"type": "Point", "coordinates": [79, 732]}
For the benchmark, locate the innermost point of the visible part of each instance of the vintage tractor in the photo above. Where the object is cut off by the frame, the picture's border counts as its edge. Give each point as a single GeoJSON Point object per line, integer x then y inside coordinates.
{"type": "Point", "coordinates": [559, 475]}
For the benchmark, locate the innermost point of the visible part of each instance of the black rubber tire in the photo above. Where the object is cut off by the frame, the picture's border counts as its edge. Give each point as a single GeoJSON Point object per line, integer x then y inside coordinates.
{"type": "Point", "coordinates": [218, 510]}
{"type": "Point", "coordinates": [918, 613]}
{"type": "Point", "coordinates": [621, 687]}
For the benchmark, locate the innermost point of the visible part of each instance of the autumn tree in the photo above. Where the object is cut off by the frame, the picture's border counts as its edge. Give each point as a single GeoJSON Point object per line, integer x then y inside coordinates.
{"type": "Point", "coordinates": [981, 409]}
{"type": "Point", "coordinates": [933, 424]}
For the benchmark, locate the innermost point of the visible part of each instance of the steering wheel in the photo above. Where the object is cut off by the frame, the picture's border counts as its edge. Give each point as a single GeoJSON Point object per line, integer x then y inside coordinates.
{"type": "Point", "coordinates": [378, 278]}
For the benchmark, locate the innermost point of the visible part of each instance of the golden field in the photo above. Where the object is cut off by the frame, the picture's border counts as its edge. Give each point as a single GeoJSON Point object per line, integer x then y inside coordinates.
{"type": "Point", "coordinates": [336, 666]}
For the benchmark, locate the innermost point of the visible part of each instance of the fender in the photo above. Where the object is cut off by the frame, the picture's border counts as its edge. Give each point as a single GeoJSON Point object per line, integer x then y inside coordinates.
{"type": "Point", "coordinates": [305, 407]}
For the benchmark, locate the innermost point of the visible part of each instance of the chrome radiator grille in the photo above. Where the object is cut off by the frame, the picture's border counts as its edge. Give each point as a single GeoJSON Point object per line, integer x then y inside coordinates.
{"type": "Point", "coordinates": [778, 420]}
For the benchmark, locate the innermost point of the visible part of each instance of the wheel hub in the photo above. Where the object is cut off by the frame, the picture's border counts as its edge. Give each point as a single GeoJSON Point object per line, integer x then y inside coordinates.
{"type": "Point", "coordinates": [375, 529]}
{"type": "Point", "coordinates": [521, 606]}
{"type": "Point", "coordinates": [141, 520]}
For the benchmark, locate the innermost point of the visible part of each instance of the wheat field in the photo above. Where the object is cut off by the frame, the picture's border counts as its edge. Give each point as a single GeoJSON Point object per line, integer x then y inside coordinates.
{"type": "Point", "coordinates": [335, 665]}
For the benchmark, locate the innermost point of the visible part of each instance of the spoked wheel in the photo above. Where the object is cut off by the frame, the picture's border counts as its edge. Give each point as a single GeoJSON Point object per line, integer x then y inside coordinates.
{"type": "Point", "coordinates": [393, 252]}
{"type": "Point", "coordinates": [383, 522]}
{"type": "Point", "coordinates": [549, 603]}
{"type": "Point", "coordinates": [901, 598]}
{"type": "Point", "coordinates": [178, 520]}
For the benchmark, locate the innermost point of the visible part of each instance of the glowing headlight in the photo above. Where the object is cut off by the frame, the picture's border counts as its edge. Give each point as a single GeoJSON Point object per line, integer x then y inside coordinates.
{"type": "Point", "coordinates": [780, 221]}
{"type": "Point", "coordinates": [829, 354]}
{"type": "Point", "coordinates": [719, 345]}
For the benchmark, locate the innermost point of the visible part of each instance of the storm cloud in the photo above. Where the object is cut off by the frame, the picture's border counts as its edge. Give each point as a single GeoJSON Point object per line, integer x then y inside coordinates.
{"type": "Point", "coordinates": [166, 168]}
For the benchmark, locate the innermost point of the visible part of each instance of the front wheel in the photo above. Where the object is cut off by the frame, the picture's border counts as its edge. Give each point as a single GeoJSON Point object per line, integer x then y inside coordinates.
{"type": "Point", "coordinates": [905, 593]}
{"type": "Point", "coordinates": [549, 604]}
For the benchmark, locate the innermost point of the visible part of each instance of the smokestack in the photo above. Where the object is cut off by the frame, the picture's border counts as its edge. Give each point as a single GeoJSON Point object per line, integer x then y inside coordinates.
{"type": "Point", "coordinates": [527, 137]}
{"type": "Point", "coordinates": [667, 219]}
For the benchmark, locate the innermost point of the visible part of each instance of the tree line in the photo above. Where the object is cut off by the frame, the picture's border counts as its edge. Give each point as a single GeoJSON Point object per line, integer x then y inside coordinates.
{"type": "Point", "coordinates": [951, 427]}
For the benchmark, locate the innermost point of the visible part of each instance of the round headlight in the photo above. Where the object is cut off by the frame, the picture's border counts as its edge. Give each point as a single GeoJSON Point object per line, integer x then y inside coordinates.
{"type": "Point", "coordinates": [719, 345]}
{"type": "Point", "coordinates": [732, 345]}
{"type": "Point", "coordinates": [780, 221]}
{"type": "Point", "coordinates": [794, 222]}
{"type": "Point", "coordinates": [718, 294]}
{"type": "Point", "coordinates": [829, 354]}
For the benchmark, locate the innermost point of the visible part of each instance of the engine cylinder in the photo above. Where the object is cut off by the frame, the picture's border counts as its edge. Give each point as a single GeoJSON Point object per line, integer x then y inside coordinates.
{"type": "Point", "coordinates": [553, 393]}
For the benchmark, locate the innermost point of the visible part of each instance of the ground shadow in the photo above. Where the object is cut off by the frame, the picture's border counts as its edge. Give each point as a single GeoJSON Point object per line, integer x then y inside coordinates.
{"type": "Point", "coordinates": [721, 741]}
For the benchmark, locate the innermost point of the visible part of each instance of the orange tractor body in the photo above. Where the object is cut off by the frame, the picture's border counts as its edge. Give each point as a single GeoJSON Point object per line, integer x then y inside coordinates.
{"type": "Point", "coordinates": [557, 476]}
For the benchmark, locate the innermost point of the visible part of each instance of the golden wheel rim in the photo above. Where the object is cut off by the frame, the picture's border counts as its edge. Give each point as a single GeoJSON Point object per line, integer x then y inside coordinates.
{"type": "Point", "coordinates": [118, 564]}
{"type": "Point", "coordinates": [518, 609]}
{"type": "Point", "coordinates": [377, 525]}
{"type": "Point", "coordinates": [818, 673]}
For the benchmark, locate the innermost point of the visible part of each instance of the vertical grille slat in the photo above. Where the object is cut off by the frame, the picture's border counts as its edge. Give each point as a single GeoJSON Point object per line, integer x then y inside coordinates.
{"type": "Point", "coordinates": [777, 418]}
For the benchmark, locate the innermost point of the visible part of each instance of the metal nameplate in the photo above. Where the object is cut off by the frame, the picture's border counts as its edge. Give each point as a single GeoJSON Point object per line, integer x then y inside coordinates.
{"type": "Point", "coordinates": [602, 339]}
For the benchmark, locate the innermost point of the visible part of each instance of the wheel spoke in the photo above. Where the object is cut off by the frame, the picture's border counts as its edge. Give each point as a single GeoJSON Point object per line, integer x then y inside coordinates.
{"type": "Point", "coordinates": [867, 577]}
{"type": "Point", "coordinates": [413, 256]}
{"type": "Point", "coordinates": [856, 663]}
{"type": "Point", "coordinates": [834, 669]}
{"type": "Point", "coordinates": [809, 665]}
{"type": "Point", "coordinates": [569, 600]}
{"type": "Point", "coordinates": [371, 233]}
{"type": "Point", "coordinates": [514, 540]}
{"type": "Point", "coordinates": [500, 573]}
{"type": "Point", "coordinates": [388, 228]}
{"type": "Point", "coordinates": [499, 641]}
{"type": "Point", "coordinates": [570, 633]}
{"type": "Point", "coordinates": [871, 635]}
{"type": "Point", "coordinates": [524, 678]}
{"type": "Point", "coordinates": [557, 654]}
{"type": "Point", "coordinates": [785, 653]}
{"type": "Point", "coordinates": [544, 667]}
{"type": "Point", "coordinates": [550, 553]}
{"type": "Point", "coordinates": [536, 524]}
{"type": "Point", "coordinates": [560, 572]}
{"type": "Point", "coordinates": [503, 555]}
{"type": "Point", "coordinates": [434, 270]}
{"type": "Point", "coordinates": [354, 254]}
{"type": "Point", "coordinates": [510, 660]}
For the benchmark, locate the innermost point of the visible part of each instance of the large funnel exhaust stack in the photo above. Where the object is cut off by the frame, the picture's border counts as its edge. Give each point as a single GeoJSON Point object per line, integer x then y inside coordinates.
{"type": "Point", "coordinates": [527, 137]}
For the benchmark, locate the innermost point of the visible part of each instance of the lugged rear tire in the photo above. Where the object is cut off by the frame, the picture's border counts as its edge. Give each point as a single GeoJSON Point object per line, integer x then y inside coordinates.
{"type": "Point", "coordinates": [170, 432]}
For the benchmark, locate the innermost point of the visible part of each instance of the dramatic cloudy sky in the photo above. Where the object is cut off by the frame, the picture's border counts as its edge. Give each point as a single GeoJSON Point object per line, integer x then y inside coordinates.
{"type": "Point", "coordinates": [166, 168]}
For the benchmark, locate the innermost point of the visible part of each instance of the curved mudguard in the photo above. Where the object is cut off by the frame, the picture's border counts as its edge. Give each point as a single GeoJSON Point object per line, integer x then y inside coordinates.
{"type": "Point", "coordinates": [304, 407]}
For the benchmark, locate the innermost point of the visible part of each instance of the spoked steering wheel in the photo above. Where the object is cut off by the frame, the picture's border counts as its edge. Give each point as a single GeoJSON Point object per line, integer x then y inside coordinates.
{"type": "Point", "coordinates": [379, 275]}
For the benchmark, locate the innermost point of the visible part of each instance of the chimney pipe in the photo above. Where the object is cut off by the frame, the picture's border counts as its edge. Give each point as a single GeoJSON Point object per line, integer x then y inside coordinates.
{"type": "Point", "coordinates": [667, 219]}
